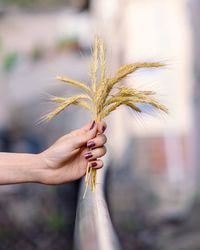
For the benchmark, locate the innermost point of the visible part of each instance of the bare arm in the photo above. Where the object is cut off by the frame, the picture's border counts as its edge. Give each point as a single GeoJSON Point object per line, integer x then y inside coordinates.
{"type": "Point", "coordinates": [19, 168]}
{"type": "Point", "coordinates": [66, 160]}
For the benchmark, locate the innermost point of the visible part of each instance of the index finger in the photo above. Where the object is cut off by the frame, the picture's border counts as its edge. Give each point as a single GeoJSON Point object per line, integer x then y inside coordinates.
{"type": "Point", "coordinates": [82, 130]}
{"type": "Point", "coordinates": [101, 127]}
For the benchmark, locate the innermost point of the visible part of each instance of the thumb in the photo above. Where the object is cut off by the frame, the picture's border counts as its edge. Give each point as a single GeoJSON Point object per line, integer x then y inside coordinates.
{"type": "Point", "coordinates": [81, 140]}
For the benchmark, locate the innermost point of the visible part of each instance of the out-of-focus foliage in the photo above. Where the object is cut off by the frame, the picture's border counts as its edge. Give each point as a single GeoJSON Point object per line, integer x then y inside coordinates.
{"type": "Point", "coordinates": [64, 43]}
{"type": "Point", "coordinates": [1, 44]}
{"type": "Point", "coordinates": [9, 61]}
{"type": "Point", "coordinates": [37, 53]}
{"type": "Point", "coordinates": [30, 2]}
{"type": "Point", "coordinates": [46, 3]}
{"type": "Point", "coordinates": [56, 221]}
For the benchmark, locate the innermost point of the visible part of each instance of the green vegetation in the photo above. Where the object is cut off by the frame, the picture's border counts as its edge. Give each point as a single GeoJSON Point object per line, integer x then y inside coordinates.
{"type": "Point", "coordinates": [56, 221]}
{"type": "Point", "coordinates": [9, 61]}
{"type": "Point", "coordinates": [7, 233]}
{"type": "Point", "coordinates": [67, 43]}
{"type": "Point", "coordinates": [1, 44]}
{"type": "Point", "coordinates": [36, 3]}
{"type": "Point", "coordinates": [37, 53]}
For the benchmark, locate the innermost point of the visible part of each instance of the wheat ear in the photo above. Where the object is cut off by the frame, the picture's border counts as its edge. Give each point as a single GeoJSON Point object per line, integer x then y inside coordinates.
{"type": "Point", "coordinates": [73, 83]}
{"type": "Point", "coordinates": [98, 97]}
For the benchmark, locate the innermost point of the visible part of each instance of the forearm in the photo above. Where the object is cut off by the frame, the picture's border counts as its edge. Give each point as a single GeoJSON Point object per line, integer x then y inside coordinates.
{"type": "Point", "coordinates": [19, 168]}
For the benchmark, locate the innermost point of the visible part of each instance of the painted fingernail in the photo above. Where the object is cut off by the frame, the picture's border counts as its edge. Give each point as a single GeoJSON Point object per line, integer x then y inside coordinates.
{"type": "Point", "coordinates": [92, 126]}
{"type": "Point", "coordinates": [88, 155]}
{"type": "Point", "coordinates": [91, 144]}
{"type": "Point", "coordinates": [103, 128]}
{"type": "Point", "coordinates": [93, 164]}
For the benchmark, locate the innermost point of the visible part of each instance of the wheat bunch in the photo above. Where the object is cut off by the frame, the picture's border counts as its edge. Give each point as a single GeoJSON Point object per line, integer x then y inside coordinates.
{"type": "Point", "coordinates": [98, 97]}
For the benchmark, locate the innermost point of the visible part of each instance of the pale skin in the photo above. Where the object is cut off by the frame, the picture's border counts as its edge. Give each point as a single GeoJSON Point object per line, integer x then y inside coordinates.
{"type": "Point", "coordinates": [65, 161]}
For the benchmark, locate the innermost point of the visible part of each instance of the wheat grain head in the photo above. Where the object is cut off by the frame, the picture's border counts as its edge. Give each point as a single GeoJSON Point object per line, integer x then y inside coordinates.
{"type": "Point", "coordinates": [74, 83]}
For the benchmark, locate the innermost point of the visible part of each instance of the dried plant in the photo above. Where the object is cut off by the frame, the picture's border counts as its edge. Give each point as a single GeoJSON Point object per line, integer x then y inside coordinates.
{"type": "Point", "coordinates": [98, 97]}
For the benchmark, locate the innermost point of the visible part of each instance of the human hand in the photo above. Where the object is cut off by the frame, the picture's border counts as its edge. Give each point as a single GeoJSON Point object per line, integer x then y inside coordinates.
{"type": "Point", "coordinates": [66, 160]}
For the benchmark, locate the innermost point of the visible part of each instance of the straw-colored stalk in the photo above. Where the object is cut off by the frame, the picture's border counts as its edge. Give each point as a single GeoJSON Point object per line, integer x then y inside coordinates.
{"type": "Point", "coordinates": [98, 97]}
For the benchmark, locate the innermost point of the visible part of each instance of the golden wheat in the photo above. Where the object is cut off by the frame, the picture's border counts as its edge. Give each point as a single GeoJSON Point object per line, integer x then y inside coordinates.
{"type": "Point", "coordinates": [152, 102]}
{"type": "Point", "coordinates": [73, 83]}
{"type": "Point", "coordinates": [126, 91]}
{"type": "Point", "coordinates": [102, 60]}
{"type": "Point", "coordinates": [64, 103]}
{"type": "Point", "coordinates": [121, 101]}
{"type": "Point", "coordinates": [57, 99]}
{"type": "Point", "coordinates": [133, 106]}
{"type": "Point", "coordinates": [99, 100]}
{"type": "Point", "coordinates": [83, 104]}
{"type": "Point", "coordinates": [94, 64]}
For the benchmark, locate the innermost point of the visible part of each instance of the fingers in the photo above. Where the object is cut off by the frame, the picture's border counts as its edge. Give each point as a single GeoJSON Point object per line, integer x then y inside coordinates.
{"type": "Point", "coordinates": [96, 164]}
{"type": "Point", "coordinates": [75, 133]}
{"type": "Point", "coordinates": [97, 147]}
{"type": "Point", "coordinates": [101, 127]}
{"type": "Point", "coordinates": [81, 140]}
{"type": "Point", "coordinates": [82, 130]}
{"type": "Point", "coordinates": [88, 132]}
{"type": "Point", "coordinates": [98, 141]}
{"type": "Point", "coordinates": [95, 153]}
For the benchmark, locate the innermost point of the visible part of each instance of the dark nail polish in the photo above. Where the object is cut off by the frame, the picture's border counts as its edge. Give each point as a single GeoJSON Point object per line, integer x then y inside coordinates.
{"type": "Point", "coordinates": [103, 128]}
{"type": "Point", "coordinates": [90, 144]}
{"type": "Point", "coordinates": [93, 164]}
{"type": "Point", "coordinates": [92, 126]}
{"type": "Point", "coordinates": [88, 155]}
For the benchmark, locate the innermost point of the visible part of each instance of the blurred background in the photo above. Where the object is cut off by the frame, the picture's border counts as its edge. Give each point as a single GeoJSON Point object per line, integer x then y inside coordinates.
{"type": "Point", "coordinates": [153, 176]}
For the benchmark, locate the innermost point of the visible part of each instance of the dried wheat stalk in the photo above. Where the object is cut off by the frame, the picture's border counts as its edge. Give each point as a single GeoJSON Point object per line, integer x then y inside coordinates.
{"type": "Point", "coordinates": [98, 97]}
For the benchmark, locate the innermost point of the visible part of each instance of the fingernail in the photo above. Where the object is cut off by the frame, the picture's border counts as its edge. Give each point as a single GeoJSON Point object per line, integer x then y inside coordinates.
{"type": "Point", "coordinates": [93, 164]}
{"type": "Point", "coordinates": [90, 144]}
{"type": "Point", "coordinates": [88, 155]}
{"type": "Point", "coordinates": [92, 126]}
{"type": "Point", "coordinates": [103, 128]}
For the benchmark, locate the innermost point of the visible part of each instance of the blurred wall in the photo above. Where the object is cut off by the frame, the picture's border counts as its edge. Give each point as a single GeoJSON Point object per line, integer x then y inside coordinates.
{"type": "Point", "coordinates": [154, 30]}
{"type": "Point", "coordinates": [146, 31]}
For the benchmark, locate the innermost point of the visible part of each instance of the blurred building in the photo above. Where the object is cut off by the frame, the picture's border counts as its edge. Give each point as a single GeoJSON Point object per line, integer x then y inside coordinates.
{"type": "Point", "coordinates": [155, 31]}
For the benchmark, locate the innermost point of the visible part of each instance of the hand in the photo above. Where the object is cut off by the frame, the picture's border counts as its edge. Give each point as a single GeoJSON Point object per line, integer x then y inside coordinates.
{"type": "Point", "coordinates": [66, 160]}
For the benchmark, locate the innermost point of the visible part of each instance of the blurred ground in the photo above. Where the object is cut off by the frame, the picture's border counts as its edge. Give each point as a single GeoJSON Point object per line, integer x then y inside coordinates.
{"type": "Point", "coordinates": [141, 221]}
{"type": "Point", "coordinates": [37, 217]}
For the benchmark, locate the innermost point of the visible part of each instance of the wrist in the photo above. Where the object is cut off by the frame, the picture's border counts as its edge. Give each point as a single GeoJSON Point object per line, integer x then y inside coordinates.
{"type": "Point", "coordinates": [43, 172]}
{"type": "Point", "coordinates": [39, 169]}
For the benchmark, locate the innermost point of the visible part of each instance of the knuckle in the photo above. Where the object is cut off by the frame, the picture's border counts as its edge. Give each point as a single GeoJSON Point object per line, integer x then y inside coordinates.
{"type": "Point", "coordinates": [101, 164]}
{"type": "Point", "coordinates": [105, 139]}
{"type": "Point", "coordinates": [104, 150]}
{"type": "Point", "coordinates": [102, 139]}
{"type": "Point", "coordinates": [99, 152]}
